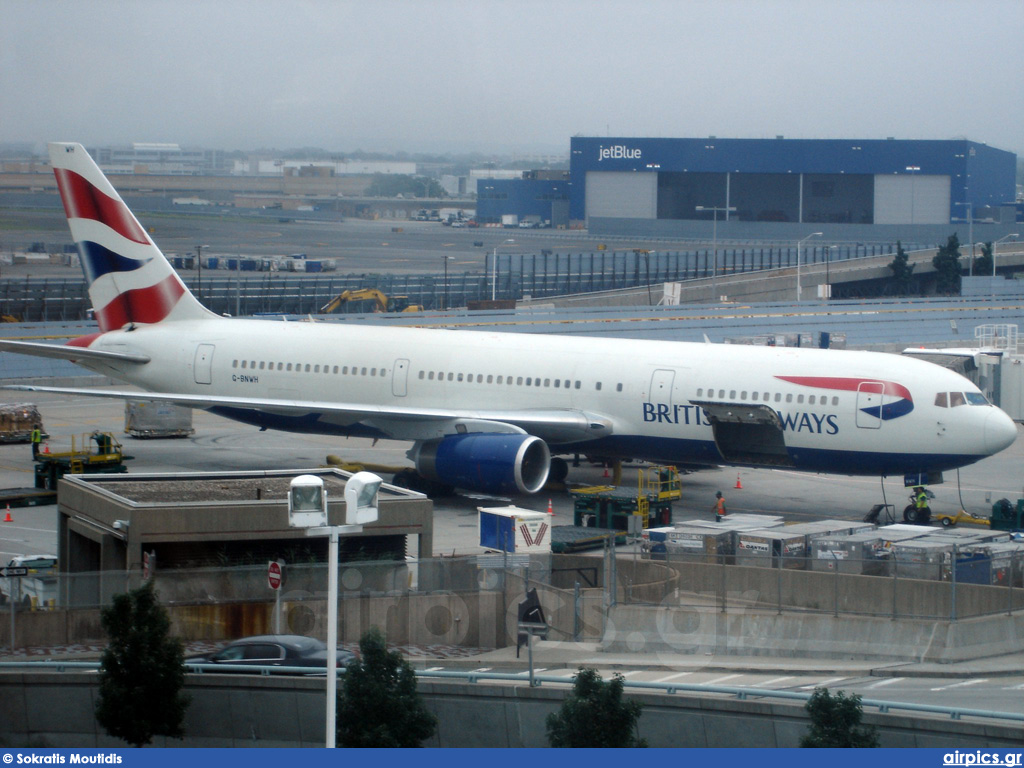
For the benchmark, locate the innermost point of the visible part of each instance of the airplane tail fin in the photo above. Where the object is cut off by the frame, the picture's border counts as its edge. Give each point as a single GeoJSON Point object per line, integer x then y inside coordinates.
{"type": "Point", "coordinates": [130, 280]}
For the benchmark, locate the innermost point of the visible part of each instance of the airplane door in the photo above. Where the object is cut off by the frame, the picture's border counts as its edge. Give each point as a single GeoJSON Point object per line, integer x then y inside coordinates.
{"type": "Point", "coordinates": [661, 386]}
{"type": "Point", "coordinates": [400, 378]}
{"type": "Point", "coordinates": [869, 404]}
{"type": "Point", "coordinates": [203, 367]}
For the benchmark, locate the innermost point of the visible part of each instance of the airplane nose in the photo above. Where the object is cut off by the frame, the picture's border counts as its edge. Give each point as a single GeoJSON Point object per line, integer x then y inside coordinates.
{"type": "Point", "coordinates": [1000, 431]}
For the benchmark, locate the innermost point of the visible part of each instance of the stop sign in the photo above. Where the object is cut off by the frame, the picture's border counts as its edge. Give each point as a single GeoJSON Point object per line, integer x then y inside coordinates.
{"type": "Point", "coordinates": [274, 574]}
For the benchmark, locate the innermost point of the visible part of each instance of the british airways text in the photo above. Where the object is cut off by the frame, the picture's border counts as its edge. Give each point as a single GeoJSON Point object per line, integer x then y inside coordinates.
{"type": "Point", "coordinates": [663, 413]}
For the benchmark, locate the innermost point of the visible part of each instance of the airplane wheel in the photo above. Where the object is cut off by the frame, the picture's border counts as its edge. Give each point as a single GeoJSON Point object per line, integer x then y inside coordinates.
{"type": "Point", "coordinates": [910, 514]}
{"type": "Point", "coordinates": [559, 470]}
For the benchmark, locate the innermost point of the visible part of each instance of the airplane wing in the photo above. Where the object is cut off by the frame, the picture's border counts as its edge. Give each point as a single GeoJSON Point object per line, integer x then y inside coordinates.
{"type": "Point", "coordinates": [405, 423]}
{"type": "Point", "coordinates": [64, 352]}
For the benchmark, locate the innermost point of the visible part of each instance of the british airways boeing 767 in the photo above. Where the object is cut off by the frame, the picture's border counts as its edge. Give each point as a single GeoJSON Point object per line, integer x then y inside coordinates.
{"type": "Point", "coordinates": [486, 411]}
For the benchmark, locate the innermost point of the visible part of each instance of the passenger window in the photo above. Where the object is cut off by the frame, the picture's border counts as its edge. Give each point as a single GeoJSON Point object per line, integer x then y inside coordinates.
{"type": "Point", "coordinates": [778, 397]}
{"type": "Point", "coordinates": [450, 376]}
{"type": "Point", "coordinates": [289, 366]}
{"type": "Point", "coordinates": [766, 397]}
{"type": "Point", "coordinates": [460, 377]}
{"type": "Point", "coordinates": [490, 378]}
{"type": "Point", "coordinates": [479, 378]}
{"type": "Point", "coordinates": [558, 383]}
{"type": "Point", "coordinates": [364, 371]}
{"type": "Point", "coordinates": [316, 369]}
{"type": "Point", "coordinates": [799, 398]}
{"type": "Point", "coordinates": [753, 396]}
{"type": "Point", "coordinates": [519, 381]}
{"type": "Point", "coordinates": [500, 379]}
{"type": "Point", "coordinates": [234, 363]}
{"type": "Point", "coordinates": [422, 374]}
{"type": "Point", "coordinates": [618, 387]}
{"type": "Point", "coordinates": [743, 395]}
{"type": "Point", "coordinates": [280, 366]}
{"type": "Point", "coordinates": [732, 394]}
{"type": "Point", "coordinates": [547, 382]}
{"type": "Point", "coordinates": [789, 398]}
{"type": "Point", "coordinates": [835, 400]}
{"type": "Point", "coordinates": [956, 398]}
{"type": "Point", "coordinates": [536, 382]}
{"type": "Point", "coordinates": [721, 394]}
{"type": "Point", "coordinates": [577, 385]}
{"type": "Point", "coordinates": [598, 385]}
{"type": "Point", "coordinates": [942, 400]}
{"type": "Point", "coordinates": [810, 400]}
{"type": "Point", "coordinates": [700, 391]}
{"type": "Point", "coordinates": [529, 381]}
{"type": "Point", "coordinates": [335, 369]}
{"type": "Point", "coordinates": [244, 362]}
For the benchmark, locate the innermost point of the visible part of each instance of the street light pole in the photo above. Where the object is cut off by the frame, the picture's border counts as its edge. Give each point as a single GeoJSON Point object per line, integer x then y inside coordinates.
{"type": "Point", "coordinates": [714, 243]}
{"type": "Point", "coordinates": [446, 260]}
{"type": "Point", "coordinates": [997, 242]}
{"type": "Point", "coordinates": [799, 243]}
{"type": "Point", "coordinates": [494, 270]}
{"type": "Point", "coordinates": [199, 266]}
{"type": "Point", "coordinates": [970, 233]}
{"type": "Point", "coordinates": [913, 170]}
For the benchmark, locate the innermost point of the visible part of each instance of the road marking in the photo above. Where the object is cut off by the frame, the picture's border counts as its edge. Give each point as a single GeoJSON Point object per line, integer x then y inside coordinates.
{"type": "Point", "coordinates": [773, 681]}
{"type": "Point", "coordinates": [483, 669]}
{"type": "Point", "coordinates": [722, 679]}
{"type": "Point", "coordinates": [962, 684]}
{"type": "Point", "coordinates": [880, 683]}
{"type": "Point", "coordinates": [673, 677]}
{"type": "Point", "coordinates": [434, 669]}
{"type": "Point", "coordinates": [537, 670]}
{"type": "Point", "coordinates": [822, 683]}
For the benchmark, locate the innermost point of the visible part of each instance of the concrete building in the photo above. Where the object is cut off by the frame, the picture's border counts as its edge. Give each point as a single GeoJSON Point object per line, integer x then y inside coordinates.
{"type": "Point", "coordinates": [536, 196]}
{"type": "Point", "coordinates": [115, 523]}
{"type": "Point", "coordinates": [161, 159]}
{"type": "Point", "coordinates": [784, 188]}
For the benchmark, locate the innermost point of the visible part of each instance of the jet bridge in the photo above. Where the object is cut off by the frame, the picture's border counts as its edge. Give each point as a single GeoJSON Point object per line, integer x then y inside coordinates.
{"type": "Point", "coordinates": [747, 433]}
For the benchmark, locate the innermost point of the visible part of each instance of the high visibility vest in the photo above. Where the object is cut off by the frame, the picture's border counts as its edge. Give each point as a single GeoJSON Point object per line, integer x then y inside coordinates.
{"type": "Point", "coordinates": [922, 500]}
{"type": "Point", "coordinates": [37, 436]}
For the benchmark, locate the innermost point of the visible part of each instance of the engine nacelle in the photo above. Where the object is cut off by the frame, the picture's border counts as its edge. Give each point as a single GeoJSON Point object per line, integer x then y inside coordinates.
{"type": "Point", "coordinates": [491, 463]}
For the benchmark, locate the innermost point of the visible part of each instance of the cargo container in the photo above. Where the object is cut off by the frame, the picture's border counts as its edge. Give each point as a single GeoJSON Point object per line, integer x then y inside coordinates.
{"type": "Point", "coordinates": [145, 418]}
{"type": "Point", "coordinates": [513, 529]}
{"type": "Point", "coordinates": [771, 548]}
{"type": "Point", "coordinates": [699, 543]}
{"type": "Point", "coordinates": [863, 553]}
{"type": "Point", "coordinates": [921, 558]}
{"type": "Point", "coordinates": [1005, 563]}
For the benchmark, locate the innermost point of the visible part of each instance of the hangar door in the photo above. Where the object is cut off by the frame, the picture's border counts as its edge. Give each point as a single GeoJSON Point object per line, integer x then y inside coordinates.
{"type": "Point", "coordinates": [911, 199]}
{"type": "Point", "coordinates": [622, 195]}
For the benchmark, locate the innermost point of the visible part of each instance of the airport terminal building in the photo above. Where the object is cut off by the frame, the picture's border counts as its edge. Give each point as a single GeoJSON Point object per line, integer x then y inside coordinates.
{"type": "Point", "coordinates": [782, 188]}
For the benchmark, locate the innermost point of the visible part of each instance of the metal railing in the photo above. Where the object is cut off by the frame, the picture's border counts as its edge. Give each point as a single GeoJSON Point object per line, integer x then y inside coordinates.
{"type": "Point", "coordinates": [883, 707]}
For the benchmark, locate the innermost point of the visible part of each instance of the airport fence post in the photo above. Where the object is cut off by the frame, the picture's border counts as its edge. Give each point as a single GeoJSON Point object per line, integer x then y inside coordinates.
{"type": "Point", "coordinates": [835, 591]}
{"type": "Point", "coordinates": [11, 599]}
{"type": "Point", "coordinates": [1009, 584]}
{"type": "Point", "coordinates": [952, 586]}
{"type": "Point", "coordinates": [576, 612]}
{"type": "Point", "coordinates": [721, 560]}
{"type": "Point", "coordinates": [895, 576]}
{"type": "Point", "coordinates": [778, 586]}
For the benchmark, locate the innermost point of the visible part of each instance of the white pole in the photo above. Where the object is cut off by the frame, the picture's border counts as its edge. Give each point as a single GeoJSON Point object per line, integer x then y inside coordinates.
{"type": "Point", "coordinates": [494, 273]}
{"type": "Point", "coordinates": [332, 638]}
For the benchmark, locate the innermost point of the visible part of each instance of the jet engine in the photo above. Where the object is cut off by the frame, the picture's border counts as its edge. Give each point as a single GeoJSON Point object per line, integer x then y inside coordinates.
{"type": "Point", "coordinates": [491, 463]}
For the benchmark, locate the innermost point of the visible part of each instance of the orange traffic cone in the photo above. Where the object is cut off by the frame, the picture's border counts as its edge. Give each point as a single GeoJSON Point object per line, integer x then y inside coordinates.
{"type": "Point", "coordinates": [7, 517]}
{"type": "Point", "coordinates": [605, 471]}
{"type": "Point", "coordinates": [46, 447]}
{"type": "Point", "coordinates": [738, 485]}
{"type": "Point", "coordinates": [550, 510]}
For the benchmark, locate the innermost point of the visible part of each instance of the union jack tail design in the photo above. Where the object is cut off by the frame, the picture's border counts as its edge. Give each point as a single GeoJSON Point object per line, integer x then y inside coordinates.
{"type": "Point", "coordinates": [129, 279]}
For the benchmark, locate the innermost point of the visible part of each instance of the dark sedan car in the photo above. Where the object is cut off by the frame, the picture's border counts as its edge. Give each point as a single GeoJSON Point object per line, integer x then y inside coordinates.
{"type": "Point", "coordinates": [274, 651]}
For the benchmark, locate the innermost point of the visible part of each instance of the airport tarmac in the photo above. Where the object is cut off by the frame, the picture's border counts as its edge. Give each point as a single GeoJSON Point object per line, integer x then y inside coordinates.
{"type": "Point", "coordinates": [219, 444]}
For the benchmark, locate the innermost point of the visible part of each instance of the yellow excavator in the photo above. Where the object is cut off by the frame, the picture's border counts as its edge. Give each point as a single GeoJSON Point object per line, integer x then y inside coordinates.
{"type": "Point", "coordinates": [382, 303]}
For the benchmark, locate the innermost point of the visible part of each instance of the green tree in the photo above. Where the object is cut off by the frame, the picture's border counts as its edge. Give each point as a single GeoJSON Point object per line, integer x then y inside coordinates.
{"type": "Point", "coordinates": [594, 715]}
{"type": "Point", "coordinates": [835, 722]}
{"type": "Point", "coordinates": [392, 185]}
{"type": "Point", "coordinates": [902, 271]}
{"type": "Point", "coordinates": [947, 266]}
{"type": "Point", "coordinates": [983, 263]}
{"type": "Point", "coordinates": [142, 671]}
{"type": "Point", "coordinates": [378, 705]}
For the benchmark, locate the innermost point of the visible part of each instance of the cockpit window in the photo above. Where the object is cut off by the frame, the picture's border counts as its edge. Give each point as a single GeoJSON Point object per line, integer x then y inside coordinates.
{"type": "Point", "coordinates": [976, 398]}
{"type": "Point", "coordinates": [942, 400]}
{"type": "Point", "coordinates": [956, 398]}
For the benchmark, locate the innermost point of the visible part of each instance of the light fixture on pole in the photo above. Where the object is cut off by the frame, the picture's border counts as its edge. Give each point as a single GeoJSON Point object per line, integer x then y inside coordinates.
{"type": "Point", "coordinates": [714, 242]}
{"type": "Point", "coordinates": [307, 508]}
{"type": "Point", "coordinates": [799, 243]}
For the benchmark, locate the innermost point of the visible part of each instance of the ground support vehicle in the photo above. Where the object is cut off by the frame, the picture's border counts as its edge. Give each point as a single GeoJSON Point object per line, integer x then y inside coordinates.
{"type": "Point", "coordinates": [17, 420]}
{"type": "Point", "coordinates": [98, 452]}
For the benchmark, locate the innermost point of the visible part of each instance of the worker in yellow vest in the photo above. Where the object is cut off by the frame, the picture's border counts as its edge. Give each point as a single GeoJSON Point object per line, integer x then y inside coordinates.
{"type": "Point", "coordinates": [37, 438]}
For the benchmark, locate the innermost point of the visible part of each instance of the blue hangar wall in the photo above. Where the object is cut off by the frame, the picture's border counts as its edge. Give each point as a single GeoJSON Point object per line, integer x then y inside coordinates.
{"type": "Point", "coordinates": [540, 199]}
{"type": "Point", "coordinates": [843, 183]}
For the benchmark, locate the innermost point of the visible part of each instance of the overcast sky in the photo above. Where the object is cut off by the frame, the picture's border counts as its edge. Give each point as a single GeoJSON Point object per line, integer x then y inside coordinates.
{"type": "Point", "coordinates": [515, 76]}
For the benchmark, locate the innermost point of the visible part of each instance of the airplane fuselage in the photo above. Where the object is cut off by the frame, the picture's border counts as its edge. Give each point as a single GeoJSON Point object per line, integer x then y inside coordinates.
{"type": "Point", "coordinates": [838, 411]}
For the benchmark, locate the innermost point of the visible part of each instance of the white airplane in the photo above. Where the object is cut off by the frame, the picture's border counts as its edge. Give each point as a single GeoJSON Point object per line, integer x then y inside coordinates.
{"type": "Point", "coordinates": [486, 411]}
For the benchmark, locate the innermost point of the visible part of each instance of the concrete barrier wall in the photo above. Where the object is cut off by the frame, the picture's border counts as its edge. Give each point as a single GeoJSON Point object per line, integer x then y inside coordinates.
{"type": "Point", "coordinates": [753, 632]}
{"type": "Point", "coordinates": [57, 710]}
